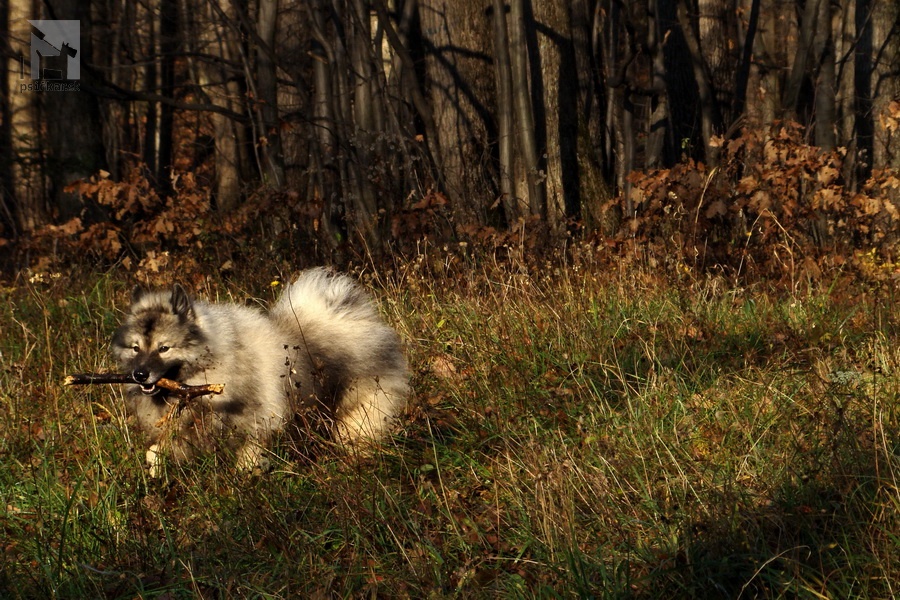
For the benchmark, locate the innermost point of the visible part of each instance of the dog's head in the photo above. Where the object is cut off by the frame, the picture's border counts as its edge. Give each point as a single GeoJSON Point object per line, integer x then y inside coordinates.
{"type": "Point", "coordinates": [160, 337]}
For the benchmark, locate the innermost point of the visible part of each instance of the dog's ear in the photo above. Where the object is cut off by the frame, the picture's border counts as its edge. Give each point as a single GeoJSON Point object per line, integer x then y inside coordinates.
{"type": "Point", "coordinates": [137, 292]}
{"type": "Point", "coordinates": [182, 305]}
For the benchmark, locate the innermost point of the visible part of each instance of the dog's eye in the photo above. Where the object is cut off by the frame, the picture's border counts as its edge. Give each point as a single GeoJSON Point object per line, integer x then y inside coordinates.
{"type": "Point", "coordinates": [163, 349]}
{"type": "Point", "coordinates": [136, 348]}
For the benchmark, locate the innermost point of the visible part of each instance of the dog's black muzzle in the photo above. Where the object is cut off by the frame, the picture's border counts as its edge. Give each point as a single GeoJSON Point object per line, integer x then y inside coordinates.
{"type": "Point", "coordinates": [142, 378]}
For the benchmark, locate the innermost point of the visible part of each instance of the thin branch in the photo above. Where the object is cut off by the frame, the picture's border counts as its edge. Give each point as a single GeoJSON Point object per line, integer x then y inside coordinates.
{"type": "Point", "coordinates": [177, 388]}
{"type": "Point", "coordinates": [107, 89]}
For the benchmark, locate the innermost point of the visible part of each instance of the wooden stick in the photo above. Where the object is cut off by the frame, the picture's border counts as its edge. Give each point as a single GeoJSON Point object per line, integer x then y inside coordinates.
{"type": "Point", "coordinates": [177, 388]}
{"type": "Point", "coordinates": [85, 378]}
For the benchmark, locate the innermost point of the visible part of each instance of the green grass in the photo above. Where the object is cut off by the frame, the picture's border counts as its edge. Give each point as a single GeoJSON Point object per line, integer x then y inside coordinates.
{"type": "Point", "coordinates": [575, 432]}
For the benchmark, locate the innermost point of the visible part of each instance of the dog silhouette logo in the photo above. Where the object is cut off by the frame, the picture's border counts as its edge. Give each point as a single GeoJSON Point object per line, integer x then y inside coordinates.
{"type": "Point", "coordinates": [54, 50]}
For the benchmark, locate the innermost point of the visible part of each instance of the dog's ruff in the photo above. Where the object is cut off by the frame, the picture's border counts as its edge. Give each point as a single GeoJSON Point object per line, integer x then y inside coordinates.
{"type": "Point", "coordinates": [321, 353]}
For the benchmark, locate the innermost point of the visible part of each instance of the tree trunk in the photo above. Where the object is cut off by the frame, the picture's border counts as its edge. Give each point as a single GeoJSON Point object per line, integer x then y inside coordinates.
{"type": "Point", "coordinates": [505, 121]}
{"type": "Point", "coordinates": [30, 210]}
{"type": "Point", "coordinates": [774, 43]}
{"type": "Point", "coordinates": [747, 41]}
{"type": "Point", "coordinates": [823, 52]}
{"type": "Point", "coordinates": [12, 71]}
{"type": "Point", "coordinates": [169, 46]}
{"type": "Point", "coordinates": [886, 90]}
{"type": "Point", "coordinates": [270, 151]}
{"type": "Point", "coordinates": [709, 113]}
{"type": "Point", "coordinates": [533, 175]}
{"type": "Point", "coordinates": [557, 97]}
{"type": "Point", "coordinates": [618, 56]}
{"type": "Point", "coordinates": [802, 59]}
{"type": "Point", "coordinates": [364, 124]}
{"type": "Point", "coordinates": [112, 26]}
{"type": "Point", "coordinates": [326, 185]}
{"type": "Point", "coordinates": [595, 192]}
{"type": "Point", "coordinates": [717, 37]}
{"type": "Point", "coordinates": [405, 79]}
{"type": "Point", "coordinates": [150, 82]}
{"type": "Point", "coordinates": [845, 41]}
{"type": "Point", "coordinates": [659, 110]}
{"type": "Point", "coordinates": [459, 86]}
{"type": "Point", "coordinates": [863, 75]}
{"type": "Point", "coordinates": [214, 42]}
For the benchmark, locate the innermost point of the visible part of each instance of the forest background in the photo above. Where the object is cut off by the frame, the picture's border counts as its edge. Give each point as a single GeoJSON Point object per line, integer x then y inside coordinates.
{"type": "Point", "coordinates": [642, 254]}
{"type": "Point", "coordinates": [755, 136]}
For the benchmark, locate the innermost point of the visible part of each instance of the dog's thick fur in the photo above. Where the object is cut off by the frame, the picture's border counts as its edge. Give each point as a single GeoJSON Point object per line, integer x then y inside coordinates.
{"type": "Point", "coordinates": [321, 352]}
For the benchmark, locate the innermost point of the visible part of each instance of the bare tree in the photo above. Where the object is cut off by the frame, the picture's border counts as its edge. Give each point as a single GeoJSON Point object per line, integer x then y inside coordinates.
{"type": "Point", "coordinates": [659, 129]}
{"type": "Point", "coordinates": [342, 104]}
{"type": "Point", "coordinates": [217, 72]}
{"type": "Point", "coordinates": [7, 221]}
{"type": "Point", "coordinates": [845, 40]}
{"type": "Point", "coordinates": [26, 153]}
{"type": "Point", "coordinates": [772, 46]}
{"type": "Point", "coordinates": [363, 123]}
{"type": "Point", "coordinates": [325, 178]}
{"type": "Point", "coordinates": [618, 48]}
{"type": "Point", "coordinates": [505, 119]}
{"type": "Point", "coordinates": [802, 59]}
{"type": "Point", "coordinates": [459, 85]}
{"type": "Point", "coordinates": [886, 84]}
{"type": "Point", "coordinates": [824, 72]}
{"type": "Point", "coordinates": [169, 50]}
{"type": "Point", "coordinates": [271, 155]}
{"type": "Point", "coordinates": [710, 120]}
{"type": "Point", "coordinates": [532, 178]}
{"type": "Point", "coordinates": [594, 187]}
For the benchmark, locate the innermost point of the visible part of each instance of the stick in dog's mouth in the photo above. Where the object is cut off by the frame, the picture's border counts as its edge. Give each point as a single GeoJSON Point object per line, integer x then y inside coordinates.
{"type": "Point", "coordinates": [174, 387]}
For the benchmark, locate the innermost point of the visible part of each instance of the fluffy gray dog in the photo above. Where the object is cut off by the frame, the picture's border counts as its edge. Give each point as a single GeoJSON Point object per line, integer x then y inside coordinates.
{"type": "Point", "coordinates": [322, 352]}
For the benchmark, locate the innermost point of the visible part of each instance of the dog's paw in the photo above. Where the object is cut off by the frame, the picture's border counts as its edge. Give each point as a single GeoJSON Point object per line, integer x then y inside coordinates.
{"type": "Point", "coordinates": [263, 466]}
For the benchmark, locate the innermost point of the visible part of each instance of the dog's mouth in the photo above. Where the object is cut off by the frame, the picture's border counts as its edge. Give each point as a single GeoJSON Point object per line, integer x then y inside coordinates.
{"type": "Point", "coordinates": [150, 389]}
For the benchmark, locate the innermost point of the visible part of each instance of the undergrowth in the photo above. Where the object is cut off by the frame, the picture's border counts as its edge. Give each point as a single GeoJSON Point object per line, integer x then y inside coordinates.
{"type": "Point", "coordinates": [576, 431]}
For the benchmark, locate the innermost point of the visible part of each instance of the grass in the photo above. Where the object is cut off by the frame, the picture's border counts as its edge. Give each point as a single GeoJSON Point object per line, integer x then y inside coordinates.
{"type": "Point", "coordinates": [575, 432]}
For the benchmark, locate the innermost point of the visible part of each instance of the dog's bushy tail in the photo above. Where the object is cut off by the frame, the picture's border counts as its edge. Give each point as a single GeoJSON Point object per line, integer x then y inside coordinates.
{"type": "Point", "coordinates": [336, 317]}
{"type": "Point", "coordinates": [326, 297]}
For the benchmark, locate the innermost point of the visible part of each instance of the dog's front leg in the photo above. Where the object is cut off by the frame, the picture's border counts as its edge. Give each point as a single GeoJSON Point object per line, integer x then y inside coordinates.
{"type": "Point", "coordinates": [154, 461]}
{"type": "Point", "coordinates": [250, 457]}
